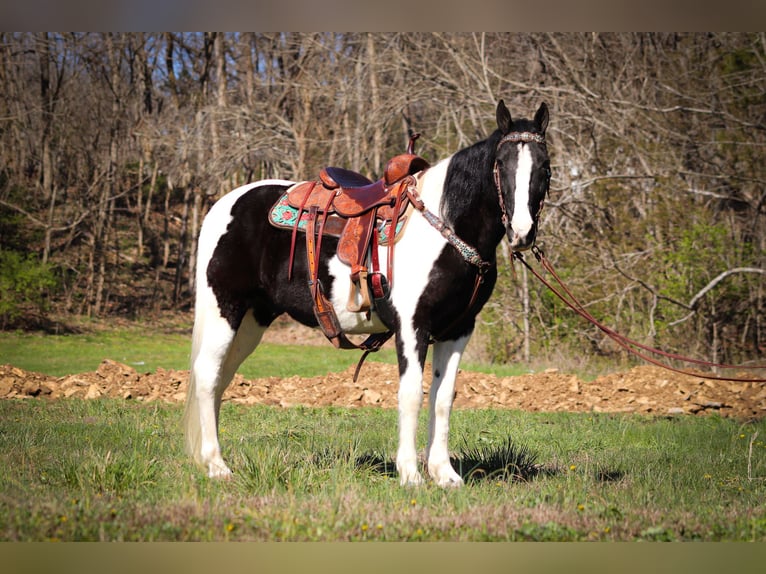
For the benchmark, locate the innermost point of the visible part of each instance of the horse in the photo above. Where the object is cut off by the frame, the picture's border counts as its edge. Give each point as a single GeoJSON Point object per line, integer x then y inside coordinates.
{"type": "Point", "coordinates": [474, 198]}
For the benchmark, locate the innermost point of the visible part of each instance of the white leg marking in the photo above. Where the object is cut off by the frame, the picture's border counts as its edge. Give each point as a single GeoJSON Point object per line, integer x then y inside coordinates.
{"type": "Point", "coordinates": [446, 359]}
{"type": "Point", "coordinates": [217, 350]}
{"type": "Point", "coordinates": [212, 338]}
{"type": "Point", "coordinates": [410, 398]}
{"type": "Point", "coordinates": [220, 353]}
{"type": "Point", "coordinates": [415, 256]}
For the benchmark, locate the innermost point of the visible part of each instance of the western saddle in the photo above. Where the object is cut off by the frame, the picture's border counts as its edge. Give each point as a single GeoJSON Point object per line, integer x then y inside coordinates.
{"type": "Point", "coordinates": [363, 214]}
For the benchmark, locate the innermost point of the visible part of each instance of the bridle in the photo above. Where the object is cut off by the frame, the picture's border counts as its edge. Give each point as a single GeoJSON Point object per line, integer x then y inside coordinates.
{"type": "Point", "coordinates": [468, 253]}
{"type": "Point", "coordinates": [513, 137]}
{"type": "Point", "coordinates": [642, 351]}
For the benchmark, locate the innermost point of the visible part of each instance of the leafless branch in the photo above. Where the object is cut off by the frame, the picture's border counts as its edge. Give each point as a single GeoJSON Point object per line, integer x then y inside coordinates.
{"type": "Point", "coordinates": [720, 277]}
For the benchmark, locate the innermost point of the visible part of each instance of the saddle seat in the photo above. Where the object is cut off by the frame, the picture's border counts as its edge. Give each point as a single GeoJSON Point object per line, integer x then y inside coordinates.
{"type": "Point", "coordinates": [335, 177]}
{"type": "Point", "coordinates": [397, 168]}
{"type": "Point", "coordinates": [349, 205]}
{"type": "Point", "coordinates": [351, 194]}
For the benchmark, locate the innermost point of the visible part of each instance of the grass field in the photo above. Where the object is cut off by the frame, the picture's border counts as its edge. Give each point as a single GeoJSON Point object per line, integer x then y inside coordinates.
{"type": "Point", "coordinates": [144, 350]}
{"type": "Point", "coordinates": [66, 354]}
{"type": "Point", "coordinates": [115, 470]}
{"type": "Point", "coordinates": [111, 470]}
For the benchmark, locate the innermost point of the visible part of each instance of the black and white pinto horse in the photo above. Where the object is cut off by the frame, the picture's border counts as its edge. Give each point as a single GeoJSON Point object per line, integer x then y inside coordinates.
{"type": "Point", "coordinates": [491, 189]}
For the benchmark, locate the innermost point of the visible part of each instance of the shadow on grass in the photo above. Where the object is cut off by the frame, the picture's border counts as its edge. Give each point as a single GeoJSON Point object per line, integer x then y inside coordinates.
{"type": "Point", "coordinates": [33, 321]}
{"type": "Point", "coordinates": [506, 461]}
{"type": "Point", "coordinates": [604, 475]}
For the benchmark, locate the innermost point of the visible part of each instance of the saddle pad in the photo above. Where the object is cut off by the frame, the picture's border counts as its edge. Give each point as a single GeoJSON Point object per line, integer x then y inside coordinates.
{"type": "Point", "coordinates": [284, 215]}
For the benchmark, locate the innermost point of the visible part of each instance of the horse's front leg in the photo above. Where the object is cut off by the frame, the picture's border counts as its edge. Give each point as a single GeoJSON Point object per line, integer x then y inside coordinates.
{"type": "Point", "coordinates": [411, 351]}
{"type": "Point", "coordinates": [446, 359]}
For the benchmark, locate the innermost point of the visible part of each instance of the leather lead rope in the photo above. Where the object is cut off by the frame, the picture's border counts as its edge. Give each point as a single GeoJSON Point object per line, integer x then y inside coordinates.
{"type": "Point", "coordinates": [628, 344]}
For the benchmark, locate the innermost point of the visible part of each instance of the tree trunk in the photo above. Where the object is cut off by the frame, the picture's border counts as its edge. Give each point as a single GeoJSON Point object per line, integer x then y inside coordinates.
{"type": "Point", "coordinates": [377, 127]}
{"type": "Point", "coordinates": [220, 107]}
{"type": "Point", "coordinates": [171, 71]}
{"type": "Point", "coordinates": [182, 247]}
{"type": "Point", "coordinates": [109, 190]}
{"type": "Point", "coordinates": [525, 312]}
{"type": "Point", "coordinates": [46, 107]}
{"type": "Point", "coordinates": [139, 209]}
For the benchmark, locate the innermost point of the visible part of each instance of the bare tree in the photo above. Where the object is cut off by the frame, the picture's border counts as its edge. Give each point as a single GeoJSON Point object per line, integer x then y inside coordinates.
{"type": "Point", "coordinates": [113, 146]}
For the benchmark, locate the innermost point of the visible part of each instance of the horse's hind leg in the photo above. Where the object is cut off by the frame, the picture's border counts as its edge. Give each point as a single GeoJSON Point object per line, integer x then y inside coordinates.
{"type": "Point", "coordinates": [217, 352]}
{"type": "Point", "coordinates": [446, 358]}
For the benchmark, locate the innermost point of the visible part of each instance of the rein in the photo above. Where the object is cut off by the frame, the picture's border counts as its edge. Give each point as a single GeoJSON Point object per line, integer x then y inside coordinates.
{"type": "Point", "coordinates": [628, 344]}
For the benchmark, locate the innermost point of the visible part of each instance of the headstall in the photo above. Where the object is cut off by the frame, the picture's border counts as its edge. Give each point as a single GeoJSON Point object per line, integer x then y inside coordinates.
{"type": "Point", "coordinates": [513, 137]}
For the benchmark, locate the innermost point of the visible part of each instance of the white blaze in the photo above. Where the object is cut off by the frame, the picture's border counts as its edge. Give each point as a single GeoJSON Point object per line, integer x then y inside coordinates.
{"type": "Point", "coordinates": [522, 221]}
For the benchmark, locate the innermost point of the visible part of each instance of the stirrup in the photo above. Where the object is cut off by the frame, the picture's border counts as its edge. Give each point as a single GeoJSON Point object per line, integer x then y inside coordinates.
{"type": "Point", "coordinates": [360, 292]}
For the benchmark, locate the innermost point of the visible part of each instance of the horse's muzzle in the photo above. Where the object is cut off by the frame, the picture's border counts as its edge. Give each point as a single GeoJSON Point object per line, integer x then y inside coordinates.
{"type": "Point", "coordinates": [519, 242]}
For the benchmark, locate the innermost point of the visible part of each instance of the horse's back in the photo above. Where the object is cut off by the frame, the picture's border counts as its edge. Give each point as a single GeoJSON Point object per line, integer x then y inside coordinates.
{"type": "Point", "coordinates": [235, 241]}
{"type": "Point", "coordinates": [224, 208]}
{"type": "Point", "coordinates": [245, 206]}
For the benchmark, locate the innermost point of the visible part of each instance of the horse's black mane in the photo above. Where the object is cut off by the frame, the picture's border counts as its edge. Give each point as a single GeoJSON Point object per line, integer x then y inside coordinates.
{"type": "Point", "coordinates": [465, 196]}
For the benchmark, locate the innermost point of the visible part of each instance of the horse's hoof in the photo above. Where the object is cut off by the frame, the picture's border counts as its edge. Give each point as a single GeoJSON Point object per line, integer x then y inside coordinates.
{"type": "Point", "coordinates": [411, 479]}
{"type": "Point", "coordinates": [446, 477]}
{"type": "Point", "coordinates": [219, 472]}
{"type": "Point", "coordinates": [451, 482]}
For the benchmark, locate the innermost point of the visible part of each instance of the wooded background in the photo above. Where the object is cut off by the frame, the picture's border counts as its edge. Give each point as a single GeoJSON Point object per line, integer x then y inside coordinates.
{"type": "Point", "coordinates": [114, 145]}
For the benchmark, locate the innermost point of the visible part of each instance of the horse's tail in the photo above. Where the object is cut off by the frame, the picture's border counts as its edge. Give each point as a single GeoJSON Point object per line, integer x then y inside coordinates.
{"type": "Point", "coordinates": [191, 418]}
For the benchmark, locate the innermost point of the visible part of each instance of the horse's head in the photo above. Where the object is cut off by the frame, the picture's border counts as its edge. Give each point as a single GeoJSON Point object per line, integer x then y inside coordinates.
{"type": "Point", "coordinates": [522, 174]}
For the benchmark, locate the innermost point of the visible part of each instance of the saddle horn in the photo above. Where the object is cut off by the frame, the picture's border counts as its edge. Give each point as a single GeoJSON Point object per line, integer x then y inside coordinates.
{"type": "Point", "coordinates": [411, 144]}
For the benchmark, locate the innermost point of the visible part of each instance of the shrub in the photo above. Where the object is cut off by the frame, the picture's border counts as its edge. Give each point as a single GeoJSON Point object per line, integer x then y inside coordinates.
{"type": "Point", "coordinates": [24, 283]}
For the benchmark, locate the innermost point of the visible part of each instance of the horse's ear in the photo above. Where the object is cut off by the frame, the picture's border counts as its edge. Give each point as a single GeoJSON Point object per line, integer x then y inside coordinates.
{"type": "Point", "coordinates": [504, 120]}
{"type": "Point", "coordinates": [541, 117]}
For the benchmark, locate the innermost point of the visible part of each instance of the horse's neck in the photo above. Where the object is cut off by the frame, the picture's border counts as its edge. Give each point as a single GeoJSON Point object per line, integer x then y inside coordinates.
{"type": "Point", "coordinates": [469, 201]}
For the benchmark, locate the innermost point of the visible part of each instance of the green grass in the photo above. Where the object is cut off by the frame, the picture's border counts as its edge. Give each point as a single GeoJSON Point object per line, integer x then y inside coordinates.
{"type": "Point", "coordinates": [145, 349]}
{"type": "Point", "coordinates": [113, 470]}
{"type": "Point", "coordinates": [60, 355]}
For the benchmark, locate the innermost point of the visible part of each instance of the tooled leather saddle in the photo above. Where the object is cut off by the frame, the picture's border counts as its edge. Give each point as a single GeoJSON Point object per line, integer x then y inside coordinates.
{"type": "Point", "coordinates": [362, 214]}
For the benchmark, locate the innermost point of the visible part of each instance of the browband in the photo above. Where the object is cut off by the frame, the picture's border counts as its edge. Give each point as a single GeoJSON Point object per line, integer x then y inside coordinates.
{"type": "Point", "coordinates": [525, 137]}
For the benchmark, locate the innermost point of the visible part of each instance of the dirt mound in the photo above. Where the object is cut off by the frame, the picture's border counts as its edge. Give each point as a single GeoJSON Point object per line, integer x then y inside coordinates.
{"type": "Point", "coordinates": [640, 390]}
